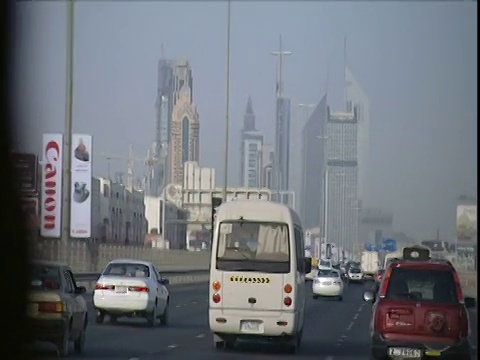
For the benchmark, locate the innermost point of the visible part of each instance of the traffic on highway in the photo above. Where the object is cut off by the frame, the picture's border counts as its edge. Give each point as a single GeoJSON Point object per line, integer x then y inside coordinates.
{"type": "Point", "coordinates": [258, 302]}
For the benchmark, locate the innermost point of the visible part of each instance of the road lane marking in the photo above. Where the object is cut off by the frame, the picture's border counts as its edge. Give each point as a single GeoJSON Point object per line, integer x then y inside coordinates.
{"type": "Point", "coordinates": [329, 358]}
{"type": "Point", "coordinates": [173, 346]}
{"type": "Point", "coordinates": [200, 336]}
{"type": "Point", "coordinates": [355, 317]}
{"type": "Point", "coordinates": [178, 306]}
{"type": "Point", "coordinates": [350, 326]}
{"type": "Point", "coordinates": [194, 302]}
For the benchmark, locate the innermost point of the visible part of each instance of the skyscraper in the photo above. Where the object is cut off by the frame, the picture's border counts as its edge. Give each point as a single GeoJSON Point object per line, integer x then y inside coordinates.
{"type": "Point", "coordinates": [172, 75]}
{"type": "Point", "coordinates": [313, 166]}
{"type": "Point", "coordinates": [184, 134]}
{"type": "Point", "coordinates": [357, 99]}
{"type": "Point", "coordinates": [251, 145]}
{"type": "Point", "coordinates": [342, 200]}
{"type": "Point", "coordinates": [281, 165]}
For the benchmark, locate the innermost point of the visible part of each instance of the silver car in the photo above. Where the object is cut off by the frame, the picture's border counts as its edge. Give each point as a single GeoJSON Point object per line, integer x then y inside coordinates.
{"type": "Point", "coordinates": [328, 283]}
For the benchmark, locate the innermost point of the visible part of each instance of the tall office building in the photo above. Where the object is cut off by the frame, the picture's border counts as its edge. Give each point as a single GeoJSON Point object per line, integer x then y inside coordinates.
{"type": "Point", "coordinates": [251, 145]}
{"type": "Point", "coordinates": [313, 166]}
{"type": "Point", "coordinates": [266, 166]}
{"type": "Point", "coordinates": [281, 164]}
{"type": "Point", "coordinates": [342, 179]}
{"type": "Point", "coordinates": [172, 75]}
{"type": "Point", "coordinates": [184, 134]}
{"type": "Point", "coordinates": [357, 99]}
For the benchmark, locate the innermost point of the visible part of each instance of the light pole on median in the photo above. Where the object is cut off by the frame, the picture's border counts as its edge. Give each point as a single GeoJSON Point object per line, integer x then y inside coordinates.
{"type": "Point", "coordinates": [227, 106]}
{"type": "Point", "coordinates": [67, 168]}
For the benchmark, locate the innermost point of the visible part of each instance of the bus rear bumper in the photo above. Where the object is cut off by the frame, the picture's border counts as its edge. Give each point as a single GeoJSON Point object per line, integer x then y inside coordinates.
{"type": "Point", "coordinates": [253, 324]}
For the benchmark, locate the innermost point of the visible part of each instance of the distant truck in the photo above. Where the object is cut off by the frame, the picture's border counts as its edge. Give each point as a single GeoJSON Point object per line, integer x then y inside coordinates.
{"type": "Point", "coordinates": [369, 263]}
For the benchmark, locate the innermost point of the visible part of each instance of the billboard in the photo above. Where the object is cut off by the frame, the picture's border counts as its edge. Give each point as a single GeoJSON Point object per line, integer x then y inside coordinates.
{"type": "Point", "coordinates": [51, 186]}
{"type": "Point", "coordinates": [25, 172]}
{"type": "Point", "coordinates": [466, 222]}
{"type": "Point", "coordinates": [81, 186]}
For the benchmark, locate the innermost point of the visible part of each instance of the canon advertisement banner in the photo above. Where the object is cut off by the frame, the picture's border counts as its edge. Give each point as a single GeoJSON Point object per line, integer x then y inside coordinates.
{"type": "Point", "coordinates": [81, 190]}
{"type": "Point", "coordinates": [51, 186]}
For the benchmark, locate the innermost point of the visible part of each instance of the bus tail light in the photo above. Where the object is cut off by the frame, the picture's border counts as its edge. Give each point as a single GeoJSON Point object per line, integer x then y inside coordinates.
{"type": "Point", "coordinates": [288, 288]}
{"type": "Point", "coordinates": [216, 298]}
{"type": "Point", "coordinates": [287, 301]}
{"type": "Point", "coordinates": [216, 285]}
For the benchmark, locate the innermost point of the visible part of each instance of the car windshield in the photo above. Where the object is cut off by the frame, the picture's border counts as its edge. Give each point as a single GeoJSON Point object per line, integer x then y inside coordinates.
{"type": "Point", "coordinates": [327, 273]}
{"type": "Point", "coordinates": [355, 270]}
{"type": "Point", "coordinates": [127, 270]}
{"type": "Point", "coordinates": [253, 246]}
{"type": "Point", "coordinates": [325, 263]}
{"type": "Point", "coordinates": [422, 285]}
{"type": "Point", "coordinates": [45, 277]}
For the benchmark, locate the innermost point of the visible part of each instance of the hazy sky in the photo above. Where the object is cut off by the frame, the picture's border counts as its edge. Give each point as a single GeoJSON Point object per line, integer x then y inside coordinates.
{"type": "Point", "coordinates": [416, 61]}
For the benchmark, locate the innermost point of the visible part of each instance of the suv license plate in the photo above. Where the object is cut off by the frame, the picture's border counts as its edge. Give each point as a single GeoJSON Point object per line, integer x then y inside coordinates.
{"type": "Point", "coordinates": [405, 352]}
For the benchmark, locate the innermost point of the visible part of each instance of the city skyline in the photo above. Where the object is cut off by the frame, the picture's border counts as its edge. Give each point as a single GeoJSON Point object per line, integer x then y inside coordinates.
{"type": "Point", "coordinates": [403, 72]}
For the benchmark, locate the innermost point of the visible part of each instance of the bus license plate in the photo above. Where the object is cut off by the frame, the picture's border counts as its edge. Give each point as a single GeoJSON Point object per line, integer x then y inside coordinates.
{"type": "Point", "coordinates": [251, 327]}
{"type": "Point", "coordinates": [405, 353]}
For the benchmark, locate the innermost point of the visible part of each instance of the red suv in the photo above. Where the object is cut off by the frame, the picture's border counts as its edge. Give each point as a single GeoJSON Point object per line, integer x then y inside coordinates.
{"type": "Point", "coordinates": [419, 311]}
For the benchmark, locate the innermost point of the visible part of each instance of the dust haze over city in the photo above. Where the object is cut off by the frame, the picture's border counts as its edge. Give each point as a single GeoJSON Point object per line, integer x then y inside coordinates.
{"type": "Point", "coordinates": [416, 63]}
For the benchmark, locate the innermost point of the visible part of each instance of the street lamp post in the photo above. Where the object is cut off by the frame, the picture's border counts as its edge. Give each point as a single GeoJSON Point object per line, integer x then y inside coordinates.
{"type": "Point", "coordinates": [67, 168]}
{"type": "Point", "coordinates": [227, 106]}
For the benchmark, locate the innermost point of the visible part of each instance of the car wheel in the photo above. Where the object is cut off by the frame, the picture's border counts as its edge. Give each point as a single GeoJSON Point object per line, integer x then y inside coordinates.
{"type": "Point", "coordinates": [99, 318]}
{"type": "Point", "coordinates": [315, 297]}
{"type": "Point", "coordinates": [64, 346]}
{"type": "Point", "coordinates": [113, 318]}
{"type": "Point", "coordinates": [340, 298]}
{"type": "Point", "coordinates": [164, 316]}
{"type": "Point", "coordinates": [79, 343]}
{"type": "Point", "coordinates": [152, 317]}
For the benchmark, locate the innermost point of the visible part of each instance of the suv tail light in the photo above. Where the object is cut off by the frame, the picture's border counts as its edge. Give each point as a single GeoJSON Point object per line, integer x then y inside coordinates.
{"type": "Point", "coordinates": [458, 286]}
{"type": "Point", "coordinates": [216, 298]}
{"type": "Point", "coordinates": [287, 301]}
{"type": "Point", "coordinates": [386, 280]}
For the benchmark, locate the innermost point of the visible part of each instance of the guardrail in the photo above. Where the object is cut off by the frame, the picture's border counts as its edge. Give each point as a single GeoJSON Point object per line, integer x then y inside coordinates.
{"type": "Point", "coordinates": [175, 278]}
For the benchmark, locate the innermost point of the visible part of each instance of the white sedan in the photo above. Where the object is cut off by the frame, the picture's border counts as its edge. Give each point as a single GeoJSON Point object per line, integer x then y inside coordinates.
{"type": "Point", "coordinates": [131, 288]}
{"type": "Point", "coordinates": [328, 283]}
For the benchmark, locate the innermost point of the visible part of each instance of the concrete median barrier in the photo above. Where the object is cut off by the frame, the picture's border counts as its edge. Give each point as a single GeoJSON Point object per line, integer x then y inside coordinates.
{"type": "Point", "coordinates": [175, 278]}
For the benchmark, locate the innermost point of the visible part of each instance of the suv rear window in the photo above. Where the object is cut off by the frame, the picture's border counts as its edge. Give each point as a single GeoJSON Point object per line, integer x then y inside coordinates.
{"type": "Point", "coordinates": [422, 285]}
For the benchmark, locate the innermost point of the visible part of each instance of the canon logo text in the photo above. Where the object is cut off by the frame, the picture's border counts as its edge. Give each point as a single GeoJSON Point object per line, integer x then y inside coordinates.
{"type": "Point", "coordinates": [52, 156]}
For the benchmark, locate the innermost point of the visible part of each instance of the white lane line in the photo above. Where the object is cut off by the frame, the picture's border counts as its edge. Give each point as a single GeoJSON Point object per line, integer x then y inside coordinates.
{"type": "Point", "coordinates": [178, 306]}
{"type": "Point", "coordinates": [329, 358]}
{"type": "Point", "coordinates": [134, 358]}
{"type": "Point", "coordinates": [338, 345]}
{"type": "Point", "coordinates": [194, 302]}
{"type": "Point", "coordinates": [200, 336]}
{"type": "Point", "coordinates": [173, 346]}
{"type": "Point", "coordinates": [355, 317]}
{"type": "Point", "coordinates": [343, 337]}
{"type": "Point", "coordinates": [350, 326]}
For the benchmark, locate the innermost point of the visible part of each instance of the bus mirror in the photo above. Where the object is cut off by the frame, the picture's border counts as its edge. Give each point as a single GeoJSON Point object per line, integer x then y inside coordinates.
{"type": "Point", "coordinates": [308, 265]}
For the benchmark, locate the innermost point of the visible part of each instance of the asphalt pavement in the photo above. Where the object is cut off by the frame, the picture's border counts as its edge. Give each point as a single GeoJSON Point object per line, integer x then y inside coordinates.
{"type": "Point", "coordinates": [333, 330]}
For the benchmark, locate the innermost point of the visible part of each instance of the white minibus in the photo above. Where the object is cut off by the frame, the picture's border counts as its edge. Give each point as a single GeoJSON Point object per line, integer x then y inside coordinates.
{"type": "Point", "coordinates": [257, 274]}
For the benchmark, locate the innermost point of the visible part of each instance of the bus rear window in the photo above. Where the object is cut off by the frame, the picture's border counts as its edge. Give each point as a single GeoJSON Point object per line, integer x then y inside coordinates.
{"type": "Point", "coordinates": [253, 246]}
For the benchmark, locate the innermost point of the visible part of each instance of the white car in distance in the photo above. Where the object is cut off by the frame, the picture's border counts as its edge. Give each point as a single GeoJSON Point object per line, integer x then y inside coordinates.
{"type": "Point", "coordinates": [328, 283]}
{"type": "Point", "coordinates": [325, 264]}
{"type": "Point", "coordinates": [131, 288]}
{"type": "Point", "coordinates": [355, 274]}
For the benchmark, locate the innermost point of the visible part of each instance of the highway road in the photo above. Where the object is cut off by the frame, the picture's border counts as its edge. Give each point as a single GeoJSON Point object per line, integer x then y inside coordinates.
{"type": "Point", "coordinates": [333, 330]}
